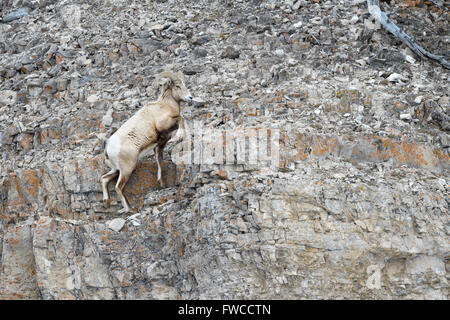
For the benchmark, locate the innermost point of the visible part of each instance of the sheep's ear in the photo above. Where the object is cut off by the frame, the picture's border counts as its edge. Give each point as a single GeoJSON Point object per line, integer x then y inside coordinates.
{"type": "Point", "coordinates": [165, 82]}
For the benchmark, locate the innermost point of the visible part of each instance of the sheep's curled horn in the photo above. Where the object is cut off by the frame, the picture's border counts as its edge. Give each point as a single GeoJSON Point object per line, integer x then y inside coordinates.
{"type": "Point", "coordinates": [170, 75]}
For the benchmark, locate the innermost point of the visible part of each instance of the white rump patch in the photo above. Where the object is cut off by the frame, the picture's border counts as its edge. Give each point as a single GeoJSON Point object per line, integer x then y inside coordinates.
{"type": "Point", "coordinates": [113, 149]}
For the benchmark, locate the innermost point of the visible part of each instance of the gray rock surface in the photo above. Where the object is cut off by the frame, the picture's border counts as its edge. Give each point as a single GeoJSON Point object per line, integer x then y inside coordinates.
{"type": "Point", "coordinates": [22, 12]}
{"type": "Point", "coordinates": [357, 207]}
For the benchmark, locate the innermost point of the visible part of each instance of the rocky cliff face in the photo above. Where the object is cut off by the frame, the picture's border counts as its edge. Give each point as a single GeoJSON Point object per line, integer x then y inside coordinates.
{"type": "Point", "coordinates": [356, 208]}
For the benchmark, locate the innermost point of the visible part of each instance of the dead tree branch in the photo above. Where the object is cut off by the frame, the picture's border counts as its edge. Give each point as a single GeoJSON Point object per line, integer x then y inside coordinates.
{"type": "Point", "coordinates": [383, 19]}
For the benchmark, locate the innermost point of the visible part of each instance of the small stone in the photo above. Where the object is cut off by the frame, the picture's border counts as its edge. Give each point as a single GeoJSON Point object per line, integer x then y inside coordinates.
{"type": "Point", "coordinates": [279, 52]}
{"type": "Point", "coordinates": [83, 60]}
{"type": "Point", "coordinates": [113, 56]}
{"type": "Point", "coordinates": [141, 22]}
{"type": "Point", "coordinates": [191, 70]}
{"type": "Point", "coordinates": [92, 98]}
{"type": "Point", "coordinates": [445, 140]}
{"type": "Point", "coordinates": [354, 19]}
{"type": "Point", "coordinates": [444, 101]}
{"type": "Point", "coordinates": [50, 86]}
{"type": "Point", "coordinates": [116, 224]}
{"type": "Point", "coordinates": [27, 68]}
{"type": "Point", "coordinates": [395, 77]}
{"type": "Point", "coordinates": [297, 25]}
{"type": "Point", "coordinates": [156, 27]}
{"type": "Point", "coordinates": [35, 91]}
{"type": "Point", "coordinates": [296, 5]}
{"type": "Point", "coordinates": [241, 225]}
{"type": "Point", "coordinates": [7, 97]}
{"type": "Point", "coordinates": [134, 216]}
{"type": "Point", "coordinates": [61, 84]}
{"type": "Point", "coordinates": [107, 119]}
{"type": "Point", "coordinates": [198, 41]}
{"type": "Point", "coordinates": [198, 102]}
{"type": "Point", "coordinates": [405, 116]}
{"type": "Point", "coordinates": [292, 62]}
{"type": "Point", "coordinates": [135, 222]}
{"type": "Point", "coordinates": [418, 99]}
{"type": "Point", "coordinates": [410, 59]}
{"type": "Point", "coordinates": [201, 53]}
{"type": "Point", "coordinates": [134, 219]}
{"type": "Point", "coordinates": [230, 53]}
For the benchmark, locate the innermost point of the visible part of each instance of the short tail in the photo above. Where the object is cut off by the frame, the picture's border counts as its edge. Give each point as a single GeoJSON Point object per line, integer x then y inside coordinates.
{"type": "Point", "coordinates": [104, 148]}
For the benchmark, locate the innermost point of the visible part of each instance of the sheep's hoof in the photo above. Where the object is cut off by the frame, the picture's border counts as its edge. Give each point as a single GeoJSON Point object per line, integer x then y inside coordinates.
{"type": "Point", "coordinates": [107, 203]}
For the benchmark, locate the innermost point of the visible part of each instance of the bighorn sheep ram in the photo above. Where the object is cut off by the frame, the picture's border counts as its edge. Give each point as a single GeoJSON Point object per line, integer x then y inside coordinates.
{"type": "Point", "coordinates": [151, 127]}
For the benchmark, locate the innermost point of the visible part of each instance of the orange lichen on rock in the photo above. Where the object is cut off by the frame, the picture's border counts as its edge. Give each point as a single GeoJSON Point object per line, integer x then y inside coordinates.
{"type": "Point", "coordinates": [324, 145]}
{"type": "Point", "coordinates": [144, 180]}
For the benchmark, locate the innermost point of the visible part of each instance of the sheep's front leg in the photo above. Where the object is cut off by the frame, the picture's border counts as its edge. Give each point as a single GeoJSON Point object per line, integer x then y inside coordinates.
{"type": "Point", "coordinates": [181, 132]}
{"type": "Point", "coordinates": [159, 160]}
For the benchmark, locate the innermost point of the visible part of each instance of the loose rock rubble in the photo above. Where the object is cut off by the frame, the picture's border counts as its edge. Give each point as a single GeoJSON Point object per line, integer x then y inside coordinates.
{"type": "Point", "coordinates": [358, 208]}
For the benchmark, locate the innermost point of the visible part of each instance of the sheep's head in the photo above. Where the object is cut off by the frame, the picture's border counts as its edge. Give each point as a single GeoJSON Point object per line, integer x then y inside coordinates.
{"type": "Point", "coordinates": [175, 82]}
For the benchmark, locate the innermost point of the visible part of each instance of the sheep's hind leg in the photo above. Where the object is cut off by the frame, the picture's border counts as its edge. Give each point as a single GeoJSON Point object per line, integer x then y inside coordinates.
{"type": "Point", "coordinates": [106, 179]}
{"type": "Point", "coordinates": [123, 178]}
